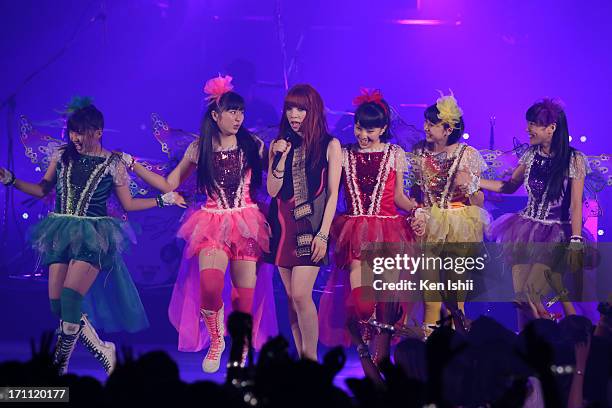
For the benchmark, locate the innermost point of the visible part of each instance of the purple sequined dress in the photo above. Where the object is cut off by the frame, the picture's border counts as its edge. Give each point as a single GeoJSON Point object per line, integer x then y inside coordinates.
{"type": "Point", "coordinates": [531, 236]}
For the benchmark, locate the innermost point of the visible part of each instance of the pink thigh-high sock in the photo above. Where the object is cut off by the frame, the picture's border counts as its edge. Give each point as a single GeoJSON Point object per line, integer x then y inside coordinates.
{"type": "Point", "coordinates": [242, 299]}
{"type": "Point", "coordinates": [211, 288]}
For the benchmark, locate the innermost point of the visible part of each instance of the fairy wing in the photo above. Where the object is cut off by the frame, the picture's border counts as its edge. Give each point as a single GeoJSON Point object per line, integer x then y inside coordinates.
{"type": "Point", "coordinates": [599, 177]}
{"type": "Point", "coordinates": [174, 143]}
{"type": "Point", "coordinates": [40, 149]}
{"type": "Point", "coordinates": [407, 135]}
{"type": "Point", "coordinates": [501, 164]}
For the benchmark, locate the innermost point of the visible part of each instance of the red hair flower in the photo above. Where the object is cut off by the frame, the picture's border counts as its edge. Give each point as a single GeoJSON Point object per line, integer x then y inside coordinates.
{"type": "Point", "coordinates": [368, 95]}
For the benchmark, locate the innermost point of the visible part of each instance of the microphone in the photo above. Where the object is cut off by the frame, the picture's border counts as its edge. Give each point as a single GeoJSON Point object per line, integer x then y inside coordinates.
{"type": "Point", "coordinates": [277, 155]}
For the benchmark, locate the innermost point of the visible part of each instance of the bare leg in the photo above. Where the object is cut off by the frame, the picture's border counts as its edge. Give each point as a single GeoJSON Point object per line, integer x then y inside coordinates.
{"type": "Point", "coordinates": [520, 275]}
{"type": "Point", "coordinates": [293, 320]}
{"type": "Point", "coordinates": [80, 276]}
{"type": "Point", "coordinates": [57, 276]}
{"type": "Point", "coordinates": [302, 283]}
{"type": "Point", "coordinates": [243, 273]}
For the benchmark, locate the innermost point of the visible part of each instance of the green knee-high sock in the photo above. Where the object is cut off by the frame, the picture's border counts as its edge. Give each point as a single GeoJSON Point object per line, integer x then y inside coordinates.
{"type": "Point", "coordinates": [71, 305]}
{"type": "Point", "coordinates": [56, 307]}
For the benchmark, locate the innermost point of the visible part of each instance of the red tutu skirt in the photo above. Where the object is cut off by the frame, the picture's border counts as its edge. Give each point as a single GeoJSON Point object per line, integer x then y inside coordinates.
{"type": "Point", "coordinates": [352, 233]}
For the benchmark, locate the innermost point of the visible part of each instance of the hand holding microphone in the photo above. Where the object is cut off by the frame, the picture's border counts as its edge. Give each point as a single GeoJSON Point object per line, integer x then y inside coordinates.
{"type": "Point", "coordinates": [281, 149]}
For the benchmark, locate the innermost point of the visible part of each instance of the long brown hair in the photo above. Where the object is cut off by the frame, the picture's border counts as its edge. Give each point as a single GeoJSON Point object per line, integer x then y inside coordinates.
{"type": "Point", "coordinates": [314, 128]}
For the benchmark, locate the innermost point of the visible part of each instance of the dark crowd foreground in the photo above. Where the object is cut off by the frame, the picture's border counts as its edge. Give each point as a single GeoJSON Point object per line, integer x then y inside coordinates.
{"type": "Point", "coordinates": [489, 366]}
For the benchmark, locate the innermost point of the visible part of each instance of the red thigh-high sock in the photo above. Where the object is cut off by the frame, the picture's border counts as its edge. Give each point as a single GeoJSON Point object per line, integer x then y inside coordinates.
{"type": "Point", "coordinates": [363, 302]}
{"type": "Point", "coordinates": [211, 289]}
{"type": "Point", "coordinates": [242, 299]}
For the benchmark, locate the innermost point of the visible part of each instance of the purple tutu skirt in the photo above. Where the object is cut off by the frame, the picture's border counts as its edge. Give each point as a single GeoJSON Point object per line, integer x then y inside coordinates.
{"type": "Point", "coordinates": [528, 241]}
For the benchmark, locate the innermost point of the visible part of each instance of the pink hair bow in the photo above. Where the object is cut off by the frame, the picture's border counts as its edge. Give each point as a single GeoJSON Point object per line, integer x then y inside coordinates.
{"type": "Point", "coordinates": [216, 87]}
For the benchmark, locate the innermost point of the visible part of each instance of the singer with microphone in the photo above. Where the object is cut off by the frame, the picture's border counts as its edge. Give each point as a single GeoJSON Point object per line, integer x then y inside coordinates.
{"type": "Point", "coordinates": [303, 181]}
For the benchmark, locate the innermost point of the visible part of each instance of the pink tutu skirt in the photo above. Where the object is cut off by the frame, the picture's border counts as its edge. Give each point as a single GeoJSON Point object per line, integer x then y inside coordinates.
{"type": "Point", "coordinates": [244, 235]}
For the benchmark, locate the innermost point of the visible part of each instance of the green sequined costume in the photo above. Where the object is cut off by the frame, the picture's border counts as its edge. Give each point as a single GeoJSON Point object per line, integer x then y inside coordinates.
{"type": "Point", "coordinates": [80, 229]}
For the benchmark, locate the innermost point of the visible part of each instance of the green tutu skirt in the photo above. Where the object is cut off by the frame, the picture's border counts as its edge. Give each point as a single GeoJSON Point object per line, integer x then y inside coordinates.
{"type": "Point", "coordinates": [112, 303]}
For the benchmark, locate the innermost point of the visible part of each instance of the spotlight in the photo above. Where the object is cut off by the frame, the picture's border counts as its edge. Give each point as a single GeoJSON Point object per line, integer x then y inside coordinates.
{"type": "Point", "coordinates": [583, 139]}
{"type": "Point", "coordinates": [466, 136]}
{"type": "Point", "coordinates": [25, 215]}
{"type": "Point", "coordinates": [38, 169]}
{"type": "Point", "coordinates": [570, 138]}
{"type": "Point", "coordinates": [600, 232]}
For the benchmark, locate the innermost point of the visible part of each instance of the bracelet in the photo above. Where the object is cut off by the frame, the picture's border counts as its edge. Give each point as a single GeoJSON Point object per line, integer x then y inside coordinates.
{"type": "Point", "coordinates": [277, 177]}
{"type": "Point", "coordinates": [160, 201]}
{"type": "Point", "coordinates": [323, 236]}
{"type": "Point", "coordinates": [132, 163]}
{"type": "Point", "coordinates": [576, 238]}
{"type": "Point", "coordinates": [382, 326]}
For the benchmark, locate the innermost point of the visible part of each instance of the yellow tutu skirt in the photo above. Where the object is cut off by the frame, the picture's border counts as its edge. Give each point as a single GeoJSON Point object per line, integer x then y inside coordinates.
{"type": "Point", "coordinates": [458, 224]}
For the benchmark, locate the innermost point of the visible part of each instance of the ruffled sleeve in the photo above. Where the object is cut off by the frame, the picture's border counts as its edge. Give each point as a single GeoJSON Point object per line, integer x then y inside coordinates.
{"type": "Point", "coordinates": [473, 161]}
{"type": "Point", "coordinates": [400, 160]}
{"type": "Point", "coordinates": [345, 151]}
{"type": "Point", "coordinates": [192, 153]}
{"type": "Point", "coordinates": [119, 172]}
{"type": "Point", "coordinates": [527, 157]}
{"type": "Point", "coordinates": [55, 153]}
{"type": "Point", "coordinates": [579, 165]}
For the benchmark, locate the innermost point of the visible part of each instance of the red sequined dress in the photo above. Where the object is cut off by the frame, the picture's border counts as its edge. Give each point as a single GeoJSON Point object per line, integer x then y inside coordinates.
{"type": "Point", "coordinates": [369, 178]}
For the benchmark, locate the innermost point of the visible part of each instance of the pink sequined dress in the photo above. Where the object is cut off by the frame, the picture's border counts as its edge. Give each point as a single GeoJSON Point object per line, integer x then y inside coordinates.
{"type": "Point", "coordinates": [230, 221]}
{"type": "Point", "coordinates": [369, 178]}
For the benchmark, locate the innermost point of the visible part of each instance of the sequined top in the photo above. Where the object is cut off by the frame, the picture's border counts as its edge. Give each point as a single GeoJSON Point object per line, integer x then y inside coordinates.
{"type": "Point", "coordinates": [437, 171]}
{"type": "Point", "coordinates": [231, 179]}
{"type": "Point", "coordinates": [537, 178]}
{"type": "Point", "coordinates": [369, 178]}
{"type": "Point", "coordinates": [84, 186]}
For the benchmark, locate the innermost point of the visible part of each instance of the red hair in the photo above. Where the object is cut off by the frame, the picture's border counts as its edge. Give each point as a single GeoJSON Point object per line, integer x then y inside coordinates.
{"type": "Point", "coordinates": [314, 128]}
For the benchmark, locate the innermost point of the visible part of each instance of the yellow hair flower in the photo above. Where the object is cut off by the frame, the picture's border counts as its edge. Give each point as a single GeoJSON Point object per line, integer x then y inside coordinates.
{"type": "Point", "coordinates": [450, 112]}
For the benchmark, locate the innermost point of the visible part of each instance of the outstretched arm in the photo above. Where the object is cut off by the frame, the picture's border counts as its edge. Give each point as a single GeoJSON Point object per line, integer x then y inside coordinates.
{"type": "Point", "coordinates": [40, 189]}
{"type": "Point", "coordinates": [137, 204]}
{"type": "Point", "coordinates": [166, 185]}
{"type": "Point", "coordinates": [505, 187]}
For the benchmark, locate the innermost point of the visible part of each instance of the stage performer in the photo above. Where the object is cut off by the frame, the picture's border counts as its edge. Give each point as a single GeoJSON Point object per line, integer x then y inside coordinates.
{"type": "Point", "coordinates": [372, 176]}
{"type": "Point", "coordinates": [546, 238]}
{"type": "Point", "coordinates": [303, 181]}
{"type": "Point", "coordinates": [89, 283]}
{"type": "Point", "coordinates": [456, 219]}
{"type": "Point", "coordinates": [229, 229]}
